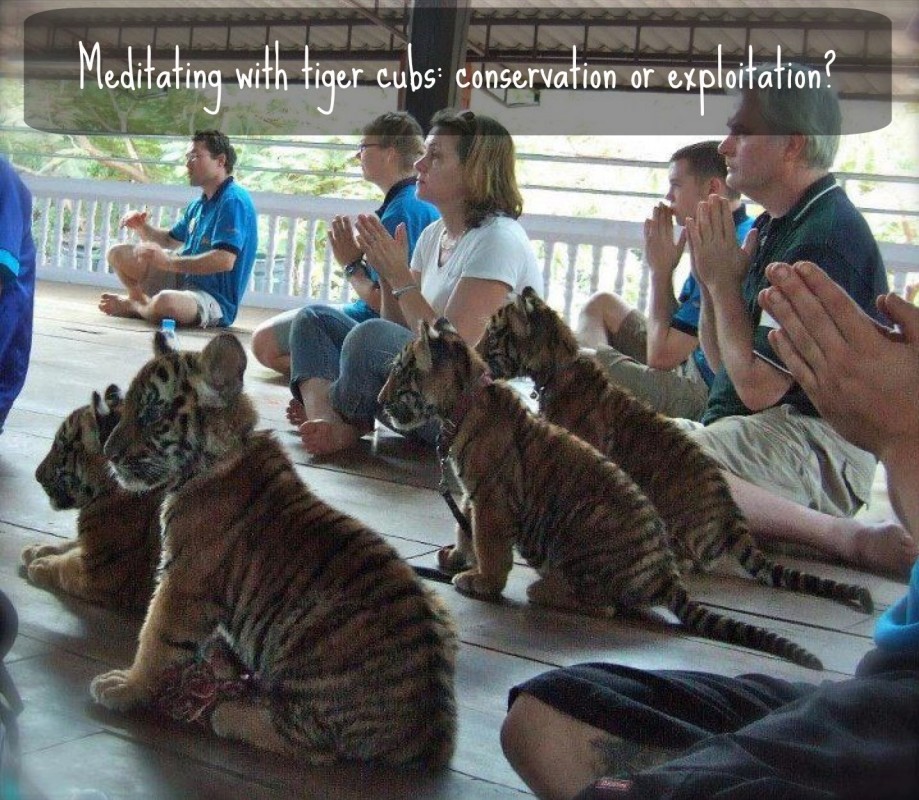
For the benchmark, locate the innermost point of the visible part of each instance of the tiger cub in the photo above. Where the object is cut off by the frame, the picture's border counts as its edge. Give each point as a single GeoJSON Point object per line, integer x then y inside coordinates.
{"type": "Point", "coordinates": [528, 338]}
{"type": "Point", "coordinates": [113, 559]}
{"type": "Point", "coordinates": [574, 515]}
{"type": "Point", "coordinates": [352, 656]}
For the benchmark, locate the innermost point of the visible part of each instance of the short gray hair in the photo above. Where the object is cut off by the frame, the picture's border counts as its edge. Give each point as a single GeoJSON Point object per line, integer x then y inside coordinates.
{"type": "Point", "coordinates": [803, 104]}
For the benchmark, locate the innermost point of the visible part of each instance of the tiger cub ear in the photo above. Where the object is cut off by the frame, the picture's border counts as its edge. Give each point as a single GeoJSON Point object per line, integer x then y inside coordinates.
{"type": "Point", "coordinates": [223, 362]}
{"type": "Point", "coordinates": [443, 325]}
{"type": "Point", "coordinates": [422, 348]}
{"type": "Point", "coordinates": [160, 345]}
{"type": "Point", "coordinates": [107, 412]}
{"type": "Point", "coordinates": [530, 300]}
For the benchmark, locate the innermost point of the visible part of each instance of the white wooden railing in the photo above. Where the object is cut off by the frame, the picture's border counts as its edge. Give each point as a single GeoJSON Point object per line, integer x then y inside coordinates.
{"type": "Point", "coordinates": [76, 221]}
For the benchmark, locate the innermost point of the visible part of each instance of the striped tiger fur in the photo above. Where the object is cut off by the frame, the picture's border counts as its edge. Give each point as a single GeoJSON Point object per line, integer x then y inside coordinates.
{"type": "Point", "coordinates": [528, 338]}
{"type": "Point", "coordinates": [353, 656]}
{"type": "Point", "coordinates": [112, 561]}
{"type": "Point", "coordinates": [573, 514]}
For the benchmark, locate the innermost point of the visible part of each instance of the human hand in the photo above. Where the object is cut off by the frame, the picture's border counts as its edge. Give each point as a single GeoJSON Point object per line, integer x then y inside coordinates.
{"type": "Point", "coordinates": [388, 255]}
{"type": "Point", "coordinates": [661, 253]}
{"type": "Point", "coordinates": [717, 261]}
{"type": "Point", "coordinates": [343, 242]}
{"type": "Point", "coordinates": [151, 256]}
{"type": "Point", "coordinates": [134, 219]}
{"type": "Point", "coordinates": [862, 377]}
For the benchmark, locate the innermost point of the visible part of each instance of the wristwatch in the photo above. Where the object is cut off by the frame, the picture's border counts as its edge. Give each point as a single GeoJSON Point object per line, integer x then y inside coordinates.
{"type": "Point", "coordinates": [358, 263]}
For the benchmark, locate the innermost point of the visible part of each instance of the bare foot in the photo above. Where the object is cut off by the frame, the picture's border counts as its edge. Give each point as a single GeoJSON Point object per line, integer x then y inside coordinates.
{"type": "Point", "coordinates": [322, 437]}
{"type": "Point", "coordinates": [296, 413]}
{"type": "Point", "coordinates": [117, 306]}
{"type": "Point", "coordinates": [883, 547]}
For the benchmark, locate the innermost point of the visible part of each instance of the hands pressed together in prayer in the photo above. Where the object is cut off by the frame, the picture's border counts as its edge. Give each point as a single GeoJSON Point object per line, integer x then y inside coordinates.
{"type": "Point", "coordinates": [344, 243]}
{"type": "Point", "coordinates": [717, 261]}
{"type": "Point", "coordinates": [848, 364]}
{"type": "Point", "coordinates": [661, 252]}
{"type": "Point", "coordinates": [388, 255]}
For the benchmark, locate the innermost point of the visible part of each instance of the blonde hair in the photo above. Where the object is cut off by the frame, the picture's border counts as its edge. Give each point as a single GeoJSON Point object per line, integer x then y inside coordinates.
{"type": "Point", "coordinates": [400, 131]}
{"type": "Point", "coordinates": [486, 151]}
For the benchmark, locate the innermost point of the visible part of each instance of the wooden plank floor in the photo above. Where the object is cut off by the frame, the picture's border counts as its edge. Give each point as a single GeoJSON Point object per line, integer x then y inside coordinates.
{"type": "Point", "coordinates": [71, 744]}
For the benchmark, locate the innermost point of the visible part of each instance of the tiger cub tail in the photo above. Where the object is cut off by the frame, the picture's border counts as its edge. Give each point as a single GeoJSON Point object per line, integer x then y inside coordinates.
{"type": "Point", "coordinates": [771, 573]}
{"type": "Point", "coordinates": [699, 619]}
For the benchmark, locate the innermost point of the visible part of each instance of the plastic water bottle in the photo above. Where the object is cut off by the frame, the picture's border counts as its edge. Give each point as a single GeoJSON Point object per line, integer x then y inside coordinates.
{"type": "Point", "coordinates": [168, 330]}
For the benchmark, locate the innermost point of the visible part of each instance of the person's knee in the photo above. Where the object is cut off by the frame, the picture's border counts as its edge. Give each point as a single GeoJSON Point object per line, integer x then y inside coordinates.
{"type": "Point", "coordinates": [606, 308]}
{"type": "Point", "coordinates": [120, 258]}
{"type": "Point", "coordinates": [265, 345]}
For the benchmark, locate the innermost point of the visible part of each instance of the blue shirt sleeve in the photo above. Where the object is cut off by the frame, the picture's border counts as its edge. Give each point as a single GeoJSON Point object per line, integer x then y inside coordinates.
{"type": "Point", "coordinates": [230, 229]}
{"type": "Point", "coordinates": [179, 231]}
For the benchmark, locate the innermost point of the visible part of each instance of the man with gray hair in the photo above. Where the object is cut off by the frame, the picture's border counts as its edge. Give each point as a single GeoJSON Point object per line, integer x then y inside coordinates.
{"type": "Point", "coordinates": [759, 424]}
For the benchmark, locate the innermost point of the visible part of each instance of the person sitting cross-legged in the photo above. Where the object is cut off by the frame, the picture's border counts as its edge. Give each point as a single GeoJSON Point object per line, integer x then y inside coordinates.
{"type": "Point", "coordinates": [658, 357]}
{"type": "Point", "coordinates": [197, 271]}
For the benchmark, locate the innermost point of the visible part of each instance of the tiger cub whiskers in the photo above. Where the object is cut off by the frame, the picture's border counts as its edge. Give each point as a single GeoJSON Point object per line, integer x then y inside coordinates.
{"type": "Point", "coordinates": [354, 655]}
{"type": "Point", "coordinates": [526, 337]}
{"type": "Point", "coordinates": [573, 514]}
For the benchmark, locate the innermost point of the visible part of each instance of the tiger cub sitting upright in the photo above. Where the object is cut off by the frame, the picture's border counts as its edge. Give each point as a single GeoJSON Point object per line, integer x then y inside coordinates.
{"type": "Point", "coordinates": [112, 560]}
{"type": "Point", "coordinates": [352, 657]}
{"type": "Point", "coordinates": [528, 338]}
{"type": "Point", "coordinates": [574, 515]}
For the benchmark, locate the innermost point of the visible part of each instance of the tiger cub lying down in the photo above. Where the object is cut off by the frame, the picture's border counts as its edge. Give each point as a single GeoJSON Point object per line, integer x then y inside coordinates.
{"type": "Point", "coordinates": [112, 560]}
{"type": "Point", "coordinates": [528, 338]}
{"type": "Point", "coordinates": [574, 515]}
{"type": "Point", "coordinates": [351, 656]}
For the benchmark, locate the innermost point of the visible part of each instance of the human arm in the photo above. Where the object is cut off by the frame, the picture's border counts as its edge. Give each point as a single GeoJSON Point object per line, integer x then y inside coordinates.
{"type": "Point", "coordinates": [863, 378]}
{"type": "Point", "coordinates": [210, 262]}
{"type": "Point", "coordinates": [721, 266]}
{"type": "Point", "coordinates": [136, 221]}
{"type": "Point", "coordinates": [667, 346]}
{"type": "Point", "coordinates": [347, 251]}
{"type": "Point", "coordinates": [473, 298]}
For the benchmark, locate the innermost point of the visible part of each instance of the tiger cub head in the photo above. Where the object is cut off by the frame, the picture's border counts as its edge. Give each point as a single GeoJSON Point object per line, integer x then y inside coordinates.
{"type": "Point", "coordinates": [182, 413]}
{"type": "Point", "coordinates": [526, 338]}
{"type": "Point", "coordinates": [429, 375]}
{"type": "Point", "coordinates": [75, 470]}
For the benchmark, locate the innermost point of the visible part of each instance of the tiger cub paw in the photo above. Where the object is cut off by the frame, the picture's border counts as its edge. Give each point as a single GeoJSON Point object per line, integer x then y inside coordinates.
{"type": "Point", "coordinates": [116, 690]}
{"type": "Point", "coordinates": [29, 554]}
{"type": "Point", "coordinates": [42, 572]}
{"type": "Point", "coordinates": [474, 583]}
{"type": "Point", "coordinates": [451, 559]}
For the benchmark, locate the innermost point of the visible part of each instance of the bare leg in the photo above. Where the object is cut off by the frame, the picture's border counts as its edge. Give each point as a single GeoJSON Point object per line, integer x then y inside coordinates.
{"type": "Point", "coordinates": [601, 318]}
{"type": "Point", "coordinates": [557, 755]}
{"type": "Point", "coordinates": [324, 431]}
{"type": "Point", "coordinates": [266, 350]}
{"type": "Point", "coordinates": [879, 547]}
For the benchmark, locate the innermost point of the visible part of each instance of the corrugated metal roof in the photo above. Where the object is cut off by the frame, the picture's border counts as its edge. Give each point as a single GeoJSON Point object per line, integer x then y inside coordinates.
{"type": "Point", "coordinates": [607, 34]}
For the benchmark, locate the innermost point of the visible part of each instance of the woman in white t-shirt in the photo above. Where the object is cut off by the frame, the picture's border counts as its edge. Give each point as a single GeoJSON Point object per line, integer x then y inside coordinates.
{"type": "Point", "coordinates": [463, 267]}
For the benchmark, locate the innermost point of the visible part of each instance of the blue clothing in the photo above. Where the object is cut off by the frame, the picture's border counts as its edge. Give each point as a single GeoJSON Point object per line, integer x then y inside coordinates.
{"type": "Point", "coordinates": [897, 630]}
{"type": "Point", "coordinates": [686, 317]}
{"type": "Point", "coordinates": [226, 221]}
{"type": "Point", "coordinates": [826, 228]}
{"type": "Point", "coordinates": [400, 205]}
{"type": "Point", "coordinates": [17, 275]}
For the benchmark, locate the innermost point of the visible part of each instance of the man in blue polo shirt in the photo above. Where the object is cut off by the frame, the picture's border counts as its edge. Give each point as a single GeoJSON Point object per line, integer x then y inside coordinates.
{"type": "Point", "coordinates": [197, 271]}
{"type": "Point", "coordinates": [17, 285]}
{"type": "Point", "coordinates": [658, 357]}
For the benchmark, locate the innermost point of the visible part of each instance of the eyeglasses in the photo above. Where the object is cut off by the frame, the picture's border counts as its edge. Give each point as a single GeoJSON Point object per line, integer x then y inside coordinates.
{"type": "Point", "coordinates": [364, 145]}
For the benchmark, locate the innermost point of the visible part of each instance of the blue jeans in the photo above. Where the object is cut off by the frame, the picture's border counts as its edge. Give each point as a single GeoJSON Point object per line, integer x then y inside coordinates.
{"type": "Point", "coordinates": [355, 357]}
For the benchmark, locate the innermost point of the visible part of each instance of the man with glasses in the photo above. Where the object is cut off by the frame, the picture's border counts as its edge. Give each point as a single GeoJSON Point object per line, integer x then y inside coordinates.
{"type": "Point", "coordinates": [195, 272]}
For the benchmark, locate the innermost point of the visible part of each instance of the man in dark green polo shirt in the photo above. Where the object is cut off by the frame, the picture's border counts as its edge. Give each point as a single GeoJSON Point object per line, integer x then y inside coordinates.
{"type": "Point", "coordinates": [758, 423]}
